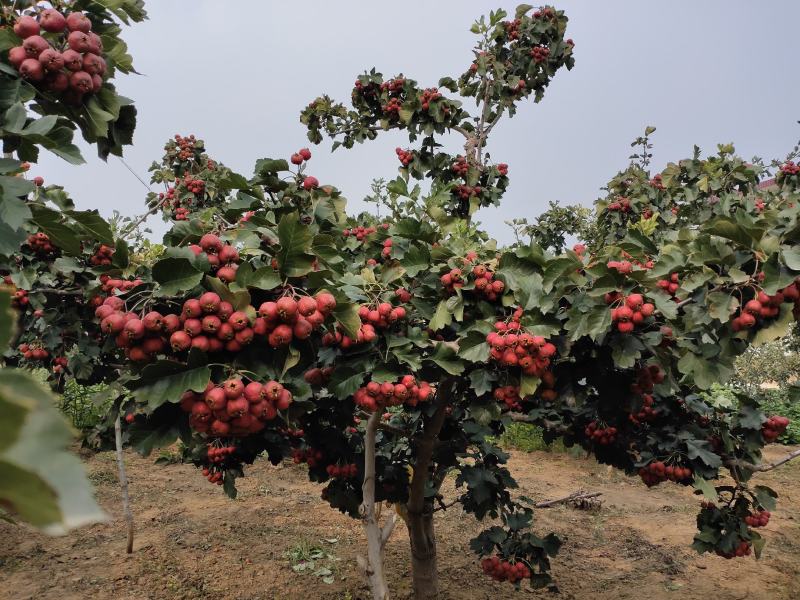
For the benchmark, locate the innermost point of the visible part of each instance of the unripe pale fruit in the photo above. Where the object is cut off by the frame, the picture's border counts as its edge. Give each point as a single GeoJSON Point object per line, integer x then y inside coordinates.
{"type": "Point", "coordinates": [77, 21]}
{"type": "Point", "coordinates": [53, 21]}
{"type": "Point", "coordinates": [26, 26]}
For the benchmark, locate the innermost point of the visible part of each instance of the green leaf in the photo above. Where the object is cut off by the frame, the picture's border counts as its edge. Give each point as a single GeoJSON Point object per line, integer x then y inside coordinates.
{"type": "Point", "coordinates": [593, 321]}
{"type": "Point", "coordinates": [473, 347]}
{"type": "Point", "coordinates": [700, 449]}
{"type": "Point", "coordinates": [441, 318]}
{"type": "Point", "coordinates": [264, 278]}
{"type": "Point", "coordinates": [528, 385]}
{"type": "Point", "coordinates": [482, 381]}
{"type": "Point", "coordinates": [97, 227]}
{"type": "Point", "coordinates": [8, 321]}
{"type": "Point", "coordinates": [295, 242]}
{"type": "Point", "coordinates": [61, 235]}
{"type": "Point", "coordinates": [444, 355]}
{"type": "Point", "coordinates": [13, 211]}
{"type": "Point", "coordinates": [43, 483]}
{"type": "Point", "coordinates": [791, 257]}
{"type": "Point", "coordinates": [176, 275]}
{"type": "Point", "coordinates": [165, 381]}
{"type": "Point", "coordinates": [766, 497]}
{"type": "Point", "coordinates": [705, 487]}
{"type": "Point", "coordinates": [416, 260]}
{"type": "Point", "coordinates": [345, 381]}
{"type": "Point", "coordinates": [778, 328]}
{"type": "Point", "coordinates": [346, 315]}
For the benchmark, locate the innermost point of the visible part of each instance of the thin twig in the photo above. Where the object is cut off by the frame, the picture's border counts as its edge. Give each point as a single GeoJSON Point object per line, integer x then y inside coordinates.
{"type": "Point", "coordinates": [149, 189]}
{"type": "Point", "coordinates": [762, 467]}
{"type": "Point", "coordinates": [579, 495]}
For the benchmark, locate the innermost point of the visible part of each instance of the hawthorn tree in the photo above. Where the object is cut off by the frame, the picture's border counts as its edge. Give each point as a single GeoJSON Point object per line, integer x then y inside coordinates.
{"type": "Point", "coordinates": [388, 353]}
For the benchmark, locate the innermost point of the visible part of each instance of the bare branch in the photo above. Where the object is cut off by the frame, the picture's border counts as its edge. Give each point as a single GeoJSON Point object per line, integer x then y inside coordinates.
{"type": "Point", "coordinates": [388, 528]}
{"type": "Point", "coordinates": [123, 483]}
{"type": "Point", "coordinates": [761, 467]}
{"type": "Point", "coordinates": [573, 497]}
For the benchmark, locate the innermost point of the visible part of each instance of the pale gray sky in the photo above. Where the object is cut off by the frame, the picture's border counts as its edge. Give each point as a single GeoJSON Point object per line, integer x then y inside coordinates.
{"type": "Point", "coordinates": [702, 72]}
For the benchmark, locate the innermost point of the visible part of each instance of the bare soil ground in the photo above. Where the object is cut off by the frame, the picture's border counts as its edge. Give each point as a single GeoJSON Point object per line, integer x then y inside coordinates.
{"type": "Point", "coordinates": [194, 543]}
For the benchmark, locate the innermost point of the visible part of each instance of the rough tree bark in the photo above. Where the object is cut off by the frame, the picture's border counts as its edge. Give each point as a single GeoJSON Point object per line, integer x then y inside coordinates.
{"type": "Point", "coordinates": [424, 574]}
{"type": "Point", "coordinates": [376, 537]}
{"type": "Point", "coordinates": [123, 482]}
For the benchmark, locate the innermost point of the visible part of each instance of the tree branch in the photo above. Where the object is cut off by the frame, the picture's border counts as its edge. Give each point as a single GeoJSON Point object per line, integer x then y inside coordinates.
{"type": "Point", "coordinates": [57, 292]}
{"type": "Point", "coordinates": [388, 528]}
{"type": "Point", "coordinates": [761, 467]}
{"type": "Point", "coordinates": [574, 496]}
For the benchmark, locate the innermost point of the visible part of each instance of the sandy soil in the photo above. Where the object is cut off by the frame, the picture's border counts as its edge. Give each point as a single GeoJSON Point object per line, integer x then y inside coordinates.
{"type": "Point", "coordinates": [194, 543]}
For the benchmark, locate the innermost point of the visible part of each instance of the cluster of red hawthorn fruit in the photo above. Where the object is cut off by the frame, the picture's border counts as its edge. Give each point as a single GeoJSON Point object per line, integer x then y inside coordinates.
{"type": "Point", "coordinates": [184, 149]}
{"type": "Point", "coordinates": [66, 60]}
{"type": "Point", "coordinates": [342, 471]}
{"type": "Point", "coordinates": [405, 156]}
{"type": "Point", "coordinates": [670, 285]}
{"type": "Point", "coordinates": [657, 472]}
{"type": "Point", "coordinates": [509, 395]}
{"type": "Point", "coordinates": [789, 168]}
{"type": "Point", "coordinates": [429, 95]}
{"type": "Point", "coordinates": [512, 346]}
{"type": "Point", "coordinates": [758, 519]}
{"type": "Point", "coordinates": [503, 570]}
{"type": "Point", "coordinates": [764, 306]}
{"type": "Point", "coordinates": [657, 182]}
{"type": "Point", "coordinates": [310, 456]}
{"type": "Point", "coordinates": [603, 436]}
{"type": "Point", "coordinates": [386, 251]}
{"type": "Point", "coordinates": [299, 157]}
{"type": "Point", "coordinates": [33, 352]}
{"type": "Point", "coordinates": [373, 317]}
{"type": "Point", "coordinates": [233, 408]}
{"type": "Point", "coordinates": [632, 310]}
{"type": "Point", "coordinates": [291, 318]}
{"type": "Point", "coordinates": [109, 285]}
{"type": "Point", "coordinates": [102, 256]}
{"type": "Point", "coordinates": [222, 256]}
{"type": "Point", "coordinates": [360, 232]}
{"type": "Point", "coordinates": [743, 548]}
{"type": "Point", "coordinates": [540, 54]}
{"type": "Point", "coordinates": [774, 428]}
{"type": "Point", "coordinates": [407, 390]}
{"type": "Point", "coordinates": [216, 456]}
{"type": "Point", "coordinates": [41, 245]}
{"type": "Point", "coordinates": [621, 204]}
{"type": "Point", "coordinates": [318, 375]}
{"type": "Point", "coordinates": [460, 166]}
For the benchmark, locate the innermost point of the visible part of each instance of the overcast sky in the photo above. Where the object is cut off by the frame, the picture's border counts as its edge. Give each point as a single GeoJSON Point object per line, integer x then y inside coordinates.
{"type": "Point", "coordinates": [701, 72]}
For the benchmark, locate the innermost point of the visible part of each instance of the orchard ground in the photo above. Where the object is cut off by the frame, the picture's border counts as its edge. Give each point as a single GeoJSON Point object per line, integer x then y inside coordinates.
{"type": "Point", "coordinates": [194, 543]}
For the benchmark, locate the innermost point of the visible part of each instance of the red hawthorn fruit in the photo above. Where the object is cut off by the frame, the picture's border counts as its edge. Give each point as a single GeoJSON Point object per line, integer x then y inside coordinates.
{"type": "Point", "coordinates": [92, 64]}
{"type": "Point", "coordinates": [77, 21]}
{"type": "Point", "coordinates": [225, 310]}
{"type": "Point", "coordinates": [239, 320]}
{"type": "Point", "coordinates": [113, 323]}
{"type": "Point", "coordinates": [287, 308]}
{"type": "Point", "coordinates": [306, 306]}
{"type": "Point", "coordinates": [296, 159]}
{"type": "Point", "coordinates": [73, 61]}
{"type": "Point", "coordinates": [310, 182]}
{"type": "Point", "coordinates": [153, 321]}
{"type": "Point", "coordinates": [180, 341]}
{"type": "Point", "coordinates": [38, 181]}
{"type": "Point", "coordinates": [302, 329]}
{"type": "Point", "coordinates": [226, 274]}
{"type": "Point", "coordinates": [52, 60]}
{"type": "Point", "coordinates": [233, 388]}
{"type": "Point", "coordinates": [210, 243]}
{"type": "Point", "coordinates": [26, 26]}
{"type": "Point", "coordinates": [57, 82]}
{"type": "Point", "coordinates": [305, 153]}
{"type": "Point", "coordinates": [193, 327]}
{"type": "Point", "coordinates": [284, 400]}
{"type": "Point", "coordinates": [211, 323]}
{"type": "Point", "coordinates": [634, 301]}
{"type": "Point", "coordinates": [171, 323]}
{"type": "Point", "coordinates": [220, 428]}
{"type": "Point", "coordinates": [31, 70]}
{"type": "Point", "coordinates": [201, 343]}
{"type": "Point", "coordinates": [228, 254]}
{"type": "Point", "coordinates": [226, 332]}
{"type": "Point", "coordinates": [253, 392]}
{"type": "Point", "coordinates": [52, 21]}
{"type": "Point", "coordinates": [245, 336]}
{"type": "Point", "coordinates": [209, 302]}
{"type": "Point", "coordinates": [153, 345]}
{"type": "Point", "coordinates": [130, 418]}
{"type": "Point", "coordinates": [280, 336]}
{"type": "Point", "coordinates": [78, 41]}
{"type": "Point", "coordinates": [17, 55]}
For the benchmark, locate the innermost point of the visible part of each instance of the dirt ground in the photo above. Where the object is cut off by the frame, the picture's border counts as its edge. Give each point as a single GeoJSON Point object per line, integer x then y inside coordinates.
{"type": "Point", "coordinates": [194, 543]}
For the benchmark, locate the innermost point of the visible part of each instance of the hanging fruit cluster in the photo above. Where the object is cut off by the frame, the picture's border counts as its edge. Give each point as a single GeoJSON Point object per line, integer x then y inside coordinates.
{"type": "Point", "coordinates": [657, 472]}
{"type": "Point", "coordinates": [233, 409]}
{"type": "Point", "coordinates": [408, 391]}
{"type": "Point", "coordinates": [670, 285]}
{"type": "Point", "coordinates": [342, 471]}
{"type": "Point", "coordinates": [292, 317]}
{"type": "Point", "coordinates": [632, 312]}
{"type": "Point", "coordinates": [222, 256]}
{"type": "Point", "coordinates": [512, 346]}
{"type": "Point", "coordinates": [503, 570]}
{"type": "Point", "coordinates": [102, 256]}
{"type": "Point", "coordinates": [405, 156]}
{"type": "Point", "coordinates": [40, 244]}
{"type": "Point", "coordinates": [219, 458]}
{"type": "Point", "coordinates": [59, 54]}
{"type": "Point", "coordinates": [774, 428]}
{"type": "Point", "coordinates": [509, 395]}
{"type": "Point", "coordinates": [603, 436]}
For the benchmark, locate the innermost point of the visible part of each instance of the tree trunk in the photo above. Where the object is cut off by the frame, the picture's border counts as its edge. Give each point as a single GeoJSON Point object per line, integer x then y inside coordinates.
{"type": "Point", "coordinates": [425, 578]}
{"type": "Point", "coordinates": [373, 565]}
{"type": "Point", "coordinates": [123, 482]}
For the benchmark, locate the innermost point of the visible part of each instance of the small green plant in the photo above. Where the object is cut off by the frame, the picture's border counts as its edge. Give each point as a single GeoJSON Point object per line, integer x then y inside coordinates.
{"type": "Point", "coordinates": [313, 559]}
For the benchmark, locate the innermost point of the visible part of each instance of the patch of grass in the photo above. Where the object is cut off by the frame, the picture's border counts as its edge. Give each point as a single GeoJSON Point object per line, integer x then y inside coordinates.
{"type": "Point", "coordinates": [312, 559]}
{"type": "Point", "coordinates": [527, 438]}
